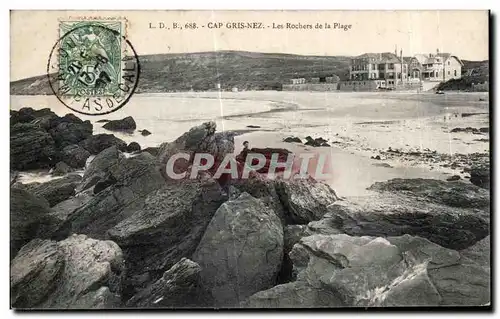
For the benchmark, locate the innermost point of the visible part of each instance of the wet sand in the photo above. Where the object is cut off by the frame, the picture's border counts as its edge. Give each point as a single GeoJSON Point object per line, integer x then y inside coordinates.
{"type": "Point", "coordinates": [352, 173]}
{"type": "Point", "coordinates": [359, 126]}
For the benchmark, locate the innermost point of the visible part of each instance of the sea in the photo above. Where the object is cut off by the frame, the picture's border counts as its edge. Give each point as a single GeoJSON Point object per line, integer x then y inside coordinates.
{"type": "Point", "coordinates": [356, 124]}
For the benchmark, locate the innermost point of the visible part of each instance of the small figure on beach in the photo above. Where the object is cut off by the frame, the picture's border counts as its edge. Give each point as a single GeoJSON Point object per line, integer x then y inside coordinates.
{"type": "Point", "coordinates": [242, 157]}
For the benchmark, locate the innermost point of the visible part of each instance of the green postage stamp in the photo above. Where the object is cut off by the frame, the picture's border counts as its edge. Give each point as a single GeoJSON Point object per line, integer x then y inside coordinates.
{"type": "Point", "coordinates": [93, 69]}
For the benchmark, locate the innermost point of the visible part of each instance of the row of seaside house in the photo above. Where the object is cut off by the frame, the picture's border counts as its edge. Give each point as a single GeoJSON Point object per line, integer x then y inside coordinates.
{"type": "Point", "coordinates": [379, 71]}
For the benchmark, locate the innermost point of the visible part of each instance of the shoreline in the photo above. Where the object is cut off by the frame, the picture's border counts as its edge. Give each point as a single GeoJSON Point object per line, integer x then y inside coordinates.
{"type": "Point", "coordinates": [353, 173]}
{"type": "Point", "coordinates": [152, 227]}
{"type": "Point", "coordinates": [424, 144]}
{"type": "Point", "coordinates": [394, 92]}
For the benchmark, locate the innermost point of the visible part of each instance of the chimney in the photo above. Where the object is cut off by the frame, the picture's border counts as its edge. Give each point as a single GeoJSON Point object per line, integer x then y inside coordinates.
{"type": "Point", "coordinates": [437, 51]}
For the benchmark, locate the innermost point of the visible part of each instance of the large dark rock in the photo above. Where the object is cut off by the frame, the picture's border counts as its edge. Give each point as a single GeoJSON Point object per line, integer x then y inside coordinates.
{"type": "Point", "coordinates": [78, 272]}
{"type": "Point", "coordinates": [47, 121]}
{"type": "Point", "coordinates": [151, 150]}
{"type": "Point", "coordinates": [436, 191]}
{"type": "Point", "coordinates": [293, 234]}
{"type": "Point", "coordinates": [34, 273]}
{"type": "Point", "coordinates": [305, 200]}
{"type": "Point", "coordinates": [224, 144]}
{"type": "Point", "coordinates": [27, 115]}
{"type": "Point", "coordinates": [70, 130]}
{"type": "Point", "coordinates": [452, 214]}
{"type": "Point", "coordinates": [471, 282]}
{"type": "Point", "coordinates": [292, 139]}
{"type": "Point", "coordinates": [392, 215]}
{"type": "Point", "coordinates": [61, 169]}
{"type": "Point", "coordinates": [14, 175]}
{"type": "Point", "coordinates": [136, 178]}
{"type": "Point", "coordinates": [31, 147]}
{"type": "Point", "coordinates": [28, 214]}
{"type": "Point", "coordinates": [199, 139]}
{"type": "Point", "coordinates": [177, 288]}
{"type": "Point", "coordinates": [480, 253]}
{"type": "Point", "coordinates": [316, 142]}
{"type": "Point", "coordinates": [168, 227]}
{"type": "Point", "coordinates": [297, 294]}
{"type": "Point", "coordinates": [241, 251]}
{"type": "Point", "coordinates": [98, 143]}
{"type": "Point", "coordinates": [99, 167]}
{"type": "Point", "coordinates": [396, 271]}
{"type": "Point", "coordinates": [125, 124]}
{"type": "Point", "coordinates": [480, 175]}
{"type": "Point", "coordinates": [57, 190]}
{"type": "Point", "coordinates": [265, 190]}
{"type": "Point", "coordinates": [294, 201]}
{"type": "Point", "coordinates": [59, 213]}
{"type": "Point", "coordinates": [104, 183]}
{"type": "Point", "coordinates": [465, 130]}
{"type": "Point", "coordinates": [133, 147]}
{"type": "Point", "coordinates": [75, 156]}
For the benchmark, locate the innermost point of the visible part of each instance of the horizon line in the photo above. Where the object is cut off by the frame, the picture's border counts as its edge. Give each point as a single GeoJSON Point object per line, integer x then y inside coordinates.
{"type": "Point", "coordinates": [257, 52]}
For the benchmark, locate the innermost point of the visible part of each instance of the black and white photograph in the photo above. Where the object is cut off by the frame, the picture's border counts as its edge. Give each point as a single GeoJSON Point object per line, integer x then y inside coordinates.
{"type": "Point", "coordinates": [211, 159]}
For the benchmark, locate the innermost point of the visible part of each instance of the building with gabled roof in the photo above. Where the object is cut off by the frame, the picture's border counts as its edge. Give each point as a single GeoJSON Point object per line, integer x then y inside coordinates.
{"type": "Point", "coordinates": [387, 69]}
{"type": "Point", "coordinates": [438, 67]}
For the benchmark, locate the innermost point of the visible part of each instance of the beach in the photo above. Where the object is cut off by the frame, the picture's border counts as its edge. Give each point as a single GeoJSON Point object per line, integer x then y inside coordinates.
{"type": "Point", "coordinates": [410, 134]}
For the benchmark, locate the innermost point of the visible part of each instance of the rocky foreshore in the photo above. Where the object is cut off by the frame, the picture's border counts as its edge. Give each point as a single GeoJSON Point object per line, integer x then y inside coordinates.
{"type": "Point", "coordinates": [123, 236]}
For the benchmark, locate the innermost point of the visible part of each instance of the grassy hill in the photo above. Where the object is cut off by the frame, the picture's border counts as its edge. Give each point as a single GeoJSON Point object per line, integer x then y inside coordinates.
{"type": "Point", "coordinates": [201, 71]}
{"type": "Point", "coordinates": [473, 72]}
{"type": "Point", "coordinates": [477, 68]}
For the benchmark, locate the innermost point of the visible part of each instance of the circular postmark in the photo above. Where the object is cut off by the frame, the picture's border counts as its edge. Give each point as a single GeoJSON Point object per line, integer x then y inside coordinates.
{"type": "Point", "coordinates": [93, 69]}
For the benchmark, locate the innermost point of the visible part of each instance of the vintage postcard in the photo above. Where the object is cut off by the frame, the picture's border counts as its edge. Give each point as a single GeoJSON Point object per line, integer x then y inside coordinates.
{"type": "Point", "coordinates": [249, 159]}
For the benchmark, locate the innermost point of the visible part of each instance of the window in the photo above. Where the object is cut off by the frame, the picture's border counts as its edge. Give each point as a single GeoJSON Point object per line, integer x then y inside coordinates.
{"type": "Point", "coordinates": [455, 72]}
{"type": "Point", "coordinates": [448, 62]}
{"type": "Point", "coordinates": [391, 66]}
{"type": "Point", "coordinates": [449, 72]}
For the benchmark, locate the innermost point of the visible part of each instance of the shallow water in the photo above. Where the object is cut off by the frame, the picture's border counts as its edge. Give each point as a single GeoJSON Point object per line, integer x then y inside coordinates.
{"type": "Point", "coordinates": [369, 120]}
{"type": "Point", "coordinates": [165, 117]}
{"type": "Point", "coordinates": [351, 173]}
{"type": "Point", "coordinates": [169, 115]}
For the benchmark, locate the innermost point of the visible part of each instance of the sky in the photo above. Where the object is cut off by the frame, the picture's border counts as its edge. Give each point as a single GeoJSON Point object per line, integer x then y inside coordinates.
{"type": "Point", "coordinates": [462, 33]}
